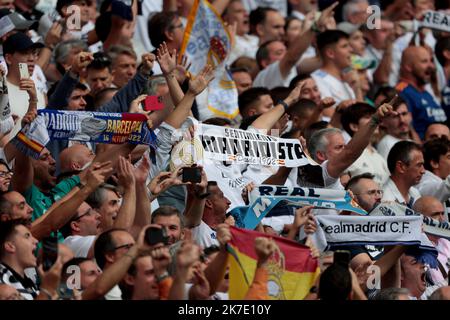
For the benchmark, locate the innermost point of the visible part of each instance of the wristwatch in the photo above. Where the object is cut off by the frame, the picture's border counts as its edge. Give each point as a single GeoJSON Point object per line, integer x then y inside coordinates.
{"type": "Point", "coordinates": [284, 104]}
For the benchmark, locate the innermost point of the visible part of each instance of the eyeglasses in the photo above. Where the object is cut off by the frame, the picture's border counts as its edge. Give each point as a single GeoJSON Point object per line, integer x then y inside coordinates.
{"type": "Point", "coordinates": [127, 246]}
{"type": "Point", "coordinates": [87, 213]}
{"type": "Point", "coordinates": [176, 27]}
{"type": "Point", "coordinates": [5, 173]}
{"type": "Point", "coordinates": [371, 193]}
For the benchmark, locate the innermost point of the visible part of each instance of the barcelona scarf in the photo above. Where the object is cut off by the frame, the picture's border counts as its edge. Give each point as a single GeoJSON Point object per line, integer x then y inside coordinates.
{"type": "Point", "coordinates": [100, 127]}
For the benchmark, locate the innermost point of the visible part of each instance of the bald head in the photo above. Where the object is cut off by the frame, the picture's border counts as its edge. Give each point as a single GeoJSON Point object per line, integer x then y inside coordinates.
{"type": "Point", "coordinates": [430, 207]}
{"type": "Point", "coordinates": [75, 158]}
{"type": "Point", "coordinates": [417, 65]}
{"type": "Point", "coordinates": [442, 293]}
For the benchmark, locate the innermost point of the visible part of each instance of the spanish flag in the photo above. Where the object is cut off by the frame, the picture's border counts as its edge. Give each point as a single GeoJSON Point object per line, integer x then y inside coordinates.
{"type": "Point", "coordinates": [292, 270]}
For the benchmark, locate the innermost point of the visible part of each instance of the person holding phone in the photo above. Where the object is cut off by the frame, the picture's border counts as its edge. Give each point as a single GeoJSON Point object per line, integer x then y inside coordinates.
{"type": "Point", "coordinates": [19, 49]}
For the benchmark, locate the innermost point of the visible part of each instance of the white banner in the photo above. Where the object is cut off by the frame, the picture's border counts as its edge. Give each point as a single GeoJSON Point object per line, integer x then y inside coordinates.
{"type": "Point", "coordinates": [362, 230]}
{"type": "Point", "coordinates": [239, 147]}
{"type": "Point", "coordinates": [431, 226]}
{"type": "Point", "coordinates": [436, 20]}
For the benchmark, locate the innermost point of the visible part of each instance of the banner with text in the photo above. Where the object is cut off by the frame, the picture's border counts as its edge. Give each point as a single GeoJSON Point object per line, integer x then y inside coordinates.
{"type": "Point", "coordinates": [430, 225]}
{"type": "Point", "coordinates": [243, 147]}
{"type": "Point", "coordinates": [265, 197]}
{"type": "Point", "coordinates": [101, 127]}
{"type": "Point", "coordinates": [369, 230]}
{"type": "Point", "coordinates": [436, 20]}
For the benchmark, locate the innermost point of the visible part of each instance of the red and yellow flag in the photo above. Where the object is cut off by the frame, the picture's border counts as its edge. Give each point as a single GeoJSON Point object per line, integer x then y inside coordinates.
{"type": "Point", "coordinates": [292, 270]}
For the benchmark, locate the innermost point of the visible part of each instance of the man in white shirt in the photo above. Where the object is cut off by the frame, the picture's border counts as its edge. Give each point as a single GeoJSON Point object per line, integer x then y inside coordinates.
{"type": "Point", "coordinates": [246, 45]}
{"type": "Point", "coordinates": [19, 48]}
{"type": "Point", "coordinates": [406, 165]}
{"type": "Point", "coordinates": [80, 232]}
{"type": "Point", "coordinates": [396, 126]}
{"type": "Point", "coordinates": [278, 64]}
{"type": "Point", "coordinates": [336, 52]}
{"type": "Point", "coordinates": [353, 119]}
{"type": "Point", "coordinates": [436, 180]}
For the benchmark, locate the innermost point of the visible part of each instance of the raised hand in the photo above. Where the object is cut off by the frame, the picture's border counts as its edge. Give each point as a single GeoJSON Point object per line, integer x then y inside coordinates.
{"type": "Point", "coordinates": [28, 117]}
{"type": "Point", "coordinates": [187, 255]}
{"type": "Point", "coordinates": [294, 95]}
{"type": "Point", "coordinates": [54, 35]}
{"type": "Point", "coordinates": [125, 174]}
{"type": "Point", "coordinates": [326, 103]}
{"type": "Point", "coordinates": [163, 181]}
{"type": "Point", "coordinates": [147, 63]}
{"type": "Point", "coordinates": [97, 173]}
{"type": "Point", "coordinates": [223, 234]}
{"type": "Point", "coordinates": [167, 60]}
{"type": "Point", "coordinates": [301, 216]}
{"type": "Point", "coordinates": [142, 169]}
{"type": "Point", "coordinates": [160, 259]}
{"type": "Point", "coordinates": [182, 68]}
{"type": "Point", "coordinates": [200, 82]}
{"type": "Point", "coordinates": [200, 289]}
{"type": "Point", "coordinates": [326, 20]}
{"type": "Point", "coordinates": [82, 60]}
{"type": "Point", "coordinates": [264, 248]}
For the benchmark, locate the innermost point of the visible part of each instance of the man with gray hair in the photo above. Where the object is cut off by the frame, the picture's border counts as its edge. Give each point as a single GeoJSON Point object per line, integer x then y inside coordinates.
{"type": "Point", "coordinates": [124, 64]}
{"type": "Point", "coordinates": [66, 53]}
{"type": "Point", "coordinates": [355, 11]}
{"type": "Point", "coordinates": [393, 294]}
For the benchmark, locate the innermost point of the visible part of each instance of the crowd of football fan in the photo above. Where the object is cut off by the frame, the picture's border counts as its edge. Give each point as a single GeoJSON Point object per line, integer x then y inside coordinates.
{"type": "Point", "coordinates": [369, 104]}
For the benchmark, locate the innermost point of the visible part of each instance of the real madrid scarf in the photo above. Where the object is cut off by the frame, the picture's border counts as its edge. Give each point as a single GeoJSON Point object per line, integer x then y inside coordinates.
{"type": "Point", "coordinates": [265, 197]}
{"type": "Point", "coordinates": [100, 127]}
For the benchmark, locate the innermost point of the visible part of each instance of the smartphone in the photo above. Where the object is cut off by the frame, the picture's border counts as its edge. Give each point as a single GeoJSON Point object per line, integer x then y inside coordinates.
{"type": "Point", "coordinates": [49, 252]}
{"type": "Point", "coordinates": [64, 292]}
{"type": "Point", "coordinates": [342, 257]}
{"type": "Point", "coordinates": [192, 174]}
{"type": "Point", "coordinates": [156, 235]}
{"type": "Point", "coordinates": [152, 103]}
{"type": "Point", "coordinates": [23, 69]}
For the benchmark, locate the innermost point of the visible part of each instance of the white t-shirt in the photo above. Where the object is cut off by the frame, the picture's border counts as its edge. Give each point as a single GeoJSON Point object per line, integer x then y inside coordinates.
{"type": "Point", "coordinates": [246, 46]}
{"type": "Point", "coordinates": [271, 77]}
{"type": "Point", "coordinates": [391, 193]}
{"type": "Point", "coordinates": [329, 86]}
{"type": "Point", "coordinates": [204, 236]}
{"type": "Point", "coordinates": [385, 145]}
{"type": "Point", "coordinates": [372, 162]}
{"type": "Point", "coordinates": [229, 180]}
{"type": "Point", "coordinates": [80, 245]}
{"type": "Point", "coordinates": [149, 8]}
{"type": "Point", "coordinates": [18, 101]}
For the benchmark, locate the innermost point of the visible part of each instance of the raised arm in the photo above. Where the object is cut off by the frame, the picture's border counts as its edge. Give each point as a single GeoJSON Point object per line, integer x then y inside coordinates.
{"type": "Point", "coordinates": [216, 269]}
{"type": "Point", "coordinates": [143, 208]}
{"type": "Point", "coordinates": [125, 216]}
{"type": "Point", "coordinates": [195, 202]}
{"type": "Point", "coordinates": [196, 86]}
{"type": "Point", "coordinates": [168, 63]}
{"type": "Point", "coordinates": [58, 215]}
{"type": "Point", "coordinates": [116, 272]}
{"type": "Point", "coordinates": [268, 119]}
{"type": "Point", "coordinates": [123, 98]}
{"type": "Point", "coordinates": [60, 97]}
{"type": "Point", "coordinates": [356, 146]}
{"type": "Point", "coordinates": [23, 170]}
